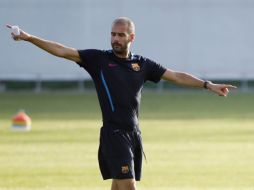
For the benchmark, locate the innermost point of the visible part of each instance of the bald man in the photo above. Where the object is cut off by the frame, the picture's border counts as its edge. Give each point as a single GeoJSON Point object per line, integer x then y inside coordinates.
{"type": "Point", "coordinates": [119, 76]}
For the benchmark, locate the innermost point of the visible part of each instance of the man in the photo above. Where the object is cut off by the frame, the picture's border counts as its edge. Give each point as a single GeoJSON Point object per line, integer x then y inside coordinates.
{"type": "Point", "coordinates": [119, 76]}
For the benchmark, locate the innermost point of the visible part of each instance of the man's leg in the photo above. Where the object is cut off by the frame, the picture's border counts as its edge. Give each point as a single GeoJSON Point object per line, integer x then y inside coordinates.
{"type": "Point", "coordinates": [123, 184]}
{"type": "Point", "coordinates": [114, 185]}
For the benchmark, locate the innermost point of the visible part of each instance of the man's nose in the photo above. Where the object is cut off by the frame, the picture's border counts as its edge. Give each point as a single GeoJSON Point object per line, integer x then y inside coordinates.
{"type": "Point", "coordinates": [116, 38]}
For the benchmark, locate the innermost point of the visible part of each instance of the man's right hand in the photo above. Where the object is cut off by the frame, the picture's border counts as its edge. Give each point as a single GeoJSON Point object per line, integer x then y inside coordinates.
{"type": "Point", "coordinates": [23, 35]}
{"type": "Point", "coordinates": [51, 47]}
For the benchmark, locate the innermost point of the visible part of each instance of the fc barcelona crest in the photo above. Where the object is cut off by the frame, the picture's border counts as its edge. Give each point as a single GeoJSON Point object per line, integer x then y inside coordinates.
{"type": "Point", "coordinates": [125, 169]}
{"type": "Point", "coordinates": [135, 66]}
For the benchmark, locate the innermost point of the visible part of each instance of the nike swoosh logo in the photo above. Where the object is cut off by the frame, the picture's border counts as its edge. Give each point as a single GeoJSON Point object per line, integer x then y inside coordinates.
{"type": "Point", "coordinates": [112, 65]}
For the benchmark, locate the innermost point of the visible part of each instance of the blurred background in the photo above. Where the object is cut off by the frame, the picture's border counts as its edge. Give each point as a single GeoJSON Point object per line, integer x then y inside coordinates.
{"type": "Point", "coordinates": [212, 39]}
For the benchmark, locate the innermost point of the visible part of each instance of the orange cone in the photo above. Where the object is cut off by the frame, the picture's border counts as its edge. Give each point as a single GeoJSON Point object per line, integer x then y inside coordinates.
{"type": "Point", "coordinates": [21, 122]}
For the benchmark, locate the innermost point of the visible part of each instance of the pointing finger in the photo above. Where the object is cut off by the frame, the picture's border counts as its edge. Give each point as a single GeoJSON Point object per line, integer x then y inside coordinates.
{"type": "Point", "coordinates": [230, 86]}
{"type": "Point", "coordinates": [8, 26]}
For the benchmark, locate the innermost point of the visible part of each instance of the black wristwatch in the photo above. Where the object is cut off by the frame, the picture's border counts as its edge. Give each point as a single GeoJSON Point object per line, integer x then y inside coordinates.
{"type": "Point", "coordinates": [206, 83]}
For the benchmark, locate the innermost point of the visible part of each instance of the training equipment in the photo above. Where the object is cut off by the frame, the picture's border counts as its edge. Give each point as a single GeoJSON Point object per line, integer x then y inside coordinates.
{"type": "Point", "coordinates": [15, 30]}
{"type": "Point", "coordinates": [21, 122]}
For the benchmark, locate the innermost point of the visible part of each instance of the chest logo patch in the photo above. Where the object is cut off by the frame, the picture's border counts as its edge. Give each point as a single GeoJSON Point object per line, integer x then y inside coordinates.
{"type": "Point", "coordinates": [135, 66]}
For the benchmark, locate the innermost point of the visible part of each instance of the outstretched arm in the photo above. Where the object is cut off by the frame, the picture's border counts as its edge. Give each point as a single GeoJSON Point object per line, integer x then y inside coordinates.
{"type": "Point", "coordinates": [186, 79]}
{"type": "Point", "coordinates": [51, 47]}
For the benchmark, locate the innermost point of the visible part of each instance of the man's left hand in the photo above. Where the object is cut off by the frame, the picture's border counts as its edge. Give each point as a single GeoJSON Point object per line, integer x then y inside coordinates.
{"type": "Point", "coordinates": [220, 89]}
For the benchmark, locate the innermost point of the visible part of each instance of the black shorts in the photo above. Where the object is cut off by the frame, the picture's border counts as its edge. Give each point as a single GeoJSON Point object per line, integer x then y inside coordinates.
{"type": "Point", "coordinates": [120, 154]}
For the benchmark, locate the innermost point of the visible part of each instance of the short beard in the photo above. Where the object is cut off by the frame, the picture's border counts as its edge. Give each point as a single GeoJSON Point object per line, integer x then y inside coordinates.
{"type": "Point", "coordinates": [120, 49]}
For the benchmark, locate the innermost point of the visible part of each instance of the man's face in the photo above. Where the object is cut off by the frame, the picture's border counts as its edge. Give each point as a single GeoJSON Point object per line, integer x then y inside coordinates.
{"type": "Point", "coordinates": [120, 38]}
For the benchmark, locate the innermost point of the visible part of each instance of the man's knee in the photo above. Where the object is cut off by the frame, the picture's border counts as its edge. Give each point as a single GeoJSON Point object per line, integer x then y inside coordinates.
{"type": "Point", "coordinates": [125, 184]}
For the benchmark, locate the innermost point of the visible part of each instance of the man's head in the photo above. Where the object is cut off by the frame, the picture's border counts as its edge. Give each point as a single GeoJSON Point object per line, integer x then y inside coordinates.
{"type": "Point", "coordinates": [122, 35]}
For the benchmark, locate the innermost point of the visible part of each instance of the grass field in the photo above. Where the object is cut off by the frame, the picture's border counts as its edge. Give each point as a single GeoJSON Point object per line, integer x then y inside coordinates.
{"type": "Point", "coordinates": [192, 141]}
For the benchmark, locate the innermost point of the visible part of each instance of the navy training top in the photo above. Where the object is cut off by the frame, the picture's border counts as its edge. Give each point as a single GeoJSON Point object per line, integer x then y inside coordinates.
{"type": "Point", "coordinates": [119, 83]}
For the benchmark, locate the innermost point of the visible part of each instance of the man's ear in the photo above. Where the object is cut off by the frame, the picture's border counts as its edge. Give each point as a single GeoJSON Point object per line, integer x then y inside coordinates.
{"type": "Point", "coordinates": [132, 37]}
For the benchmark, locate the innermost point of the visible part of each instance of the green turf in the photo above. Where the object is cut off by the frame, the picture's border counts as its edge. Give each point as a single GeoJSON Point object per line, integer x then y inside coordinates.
{"type": "Point", "coordinates": [192, 141]}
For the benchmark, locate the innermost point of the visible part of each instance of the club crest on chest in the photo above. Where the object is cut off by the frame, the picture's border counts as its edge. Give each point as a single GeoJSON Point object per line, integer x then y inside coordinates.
{"type": "Point", "coordinates": [135, 66]}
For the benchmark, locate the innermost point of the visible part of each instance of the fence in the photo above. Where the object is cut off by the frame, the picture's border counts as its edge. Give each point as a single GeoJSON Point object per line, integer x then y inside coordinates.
{"type": "Point", "coordinates": [81, 83]}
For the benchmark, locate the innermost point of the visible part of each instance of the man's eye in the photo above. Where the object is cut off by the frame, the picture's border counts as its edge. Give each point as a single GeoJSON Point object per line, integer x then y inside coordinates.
{"type": "Point", "coordinates": [121, 34]}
